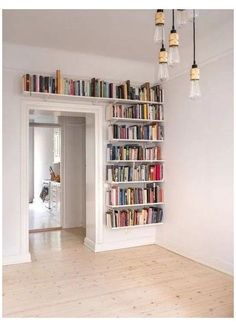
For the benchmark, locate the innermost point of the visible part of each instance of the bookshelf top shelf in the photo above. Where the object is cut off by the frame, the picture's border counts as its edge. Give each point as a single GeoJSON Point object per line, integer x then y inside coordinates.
{"type": "Point", "coordinates": [95, 100]}
{"type": "Point", "coordinates": [127, 161]}
{"type": "Point", "coordinates": [134, 141]}
{"type": "Point", "coordinates": [134, 205]}
{"type": "Point", "coordinates": [138, 120]}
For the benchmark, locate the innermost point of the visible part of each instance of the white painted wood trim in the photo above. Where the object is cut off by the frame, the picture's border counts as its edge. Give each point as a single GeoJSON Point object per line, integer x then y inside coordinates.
{"type": "Point", "coordinates": [89, 244]}
{"type": "Point", "coordinates": [15, 259]}
{"type": "Point", "coordinates": [64, 106]}
{"type": "Point", "coordinates": [124, 244]}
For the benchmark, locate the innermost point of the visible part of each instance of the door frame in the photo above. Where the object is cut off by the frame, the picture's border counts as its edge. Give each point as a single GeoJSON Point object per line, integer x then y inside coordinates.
{"type": "Point", "coordinates": [64, 107]}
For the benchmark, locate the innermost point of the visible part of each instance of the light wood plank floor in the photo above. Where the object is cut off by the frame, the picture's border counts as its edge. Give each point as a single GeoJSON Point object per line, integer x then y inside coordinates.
{"type": "Point", "coordinates": [40, 217]}
{"type": "Point", "coordinates": [66, 279]}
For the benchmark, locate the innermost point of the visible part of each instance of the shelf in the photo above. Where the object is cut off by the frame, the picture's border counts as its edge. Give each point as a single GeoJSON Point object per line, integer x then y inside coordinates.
{"type": "Point", "coordinates": [133, 226]}
{"type": "Point", "coordinates": [135, 182]}
{"type": "Point", "coordinates": [130, 161]}
{"type": "Point", "coordinates": [134, 141]}
{"type": "Point", "coordinates": [46, 96]}
{"type": "Point", "coordinates": [134, 205]}
{"type": "Point", "coordinates": [117, 119]}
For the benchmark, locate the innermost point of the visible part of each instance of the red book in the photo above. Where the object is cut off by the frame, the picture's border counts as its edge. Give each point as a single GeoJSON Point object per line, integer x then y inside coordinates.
{"type": "Point", "coordinates": [123, 218]}
{"type": "Point", "coordinates": [158, 172]}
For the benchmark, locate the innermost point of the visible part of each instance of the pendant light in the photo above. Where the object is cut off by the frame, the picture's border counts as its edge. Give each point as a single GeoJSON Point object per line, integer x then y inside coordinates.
{"type": "Point", "coordinates": [163, 73]}
{"type": "Point", "coordinates": [173, 43]}
{"type": "Point", "coordinates": [182, 17]}
{"type": "Point", "coordinates": [195, 71]}
{"type": "Point", "coordinates": [159, 22]}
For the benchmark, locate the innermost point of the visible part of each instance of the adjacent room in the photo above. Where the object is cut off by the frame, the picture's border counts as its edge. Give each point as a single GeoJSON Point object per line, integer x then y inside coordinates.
{"type": "Point", "coordinates": [118, 163]}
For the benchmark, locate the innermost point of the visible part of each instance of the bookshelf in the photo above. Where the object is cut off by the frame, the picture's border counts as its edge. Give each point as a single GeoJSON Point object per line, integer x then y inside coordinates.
{"type": "Point", "coordinates": [120, 168]}
{"type": "Point", "coordinates": [97, 100]}
{"type": "Point", "coordinates": [135, 134]}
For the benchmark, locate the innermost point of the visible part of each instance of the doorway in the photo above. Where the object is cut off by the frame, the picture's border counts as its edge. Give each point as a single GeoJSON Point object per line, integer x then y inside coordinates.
{"type": "Point", "coordinates": [44, 174]}
{"type": "Point", "coordinates": [94, 130]}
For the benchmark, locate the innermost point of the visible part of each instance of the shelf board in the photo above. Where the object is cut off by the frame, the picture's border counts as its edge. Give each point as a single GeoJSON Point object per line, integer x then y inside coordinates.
{"type": "Point", "coordinates": [127, 161]}
{"type": "Point", "coordinates": [134, 226]}
{"type": "Point", "coordinates": [135, 182]}
{"type": "Point", "coordinates": [134, 141]}
{"type": "Point", "coordinates": [86, 98]}
{"type": "Point", "coordinates": [138, 120]}
{"type": "Point", "coordinates": [134, 205]}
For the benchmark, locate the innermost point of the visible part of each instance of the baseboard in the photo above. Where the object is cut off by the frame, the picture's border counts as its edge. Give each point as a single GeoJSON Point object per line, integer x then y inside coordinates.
{"type": "Point", "coordinates": [123, 244]}
{"type": "Point", "coordinates": [213, 263]}
{"type": "Point", "coordinates": [15, 259]}
{"type": "Point", "coordinates": [117, 245]}
{"type": "Point", "coordinates": [89, 244]}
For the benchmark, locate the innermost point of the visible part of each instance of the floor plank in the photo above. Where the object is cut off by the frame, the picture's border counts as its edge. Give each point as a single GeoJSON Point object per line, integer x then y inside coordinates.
{"type": "Point", "coordinates": [66, 279]}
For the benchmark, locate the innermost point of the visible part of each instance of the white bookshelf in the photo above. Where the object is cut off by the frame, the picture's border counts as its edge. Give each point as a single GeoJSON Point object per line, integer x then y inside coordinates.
{"type": "Point", "coordinates": [133, 120]}
{"type": "Point", "coordinates": [46, 96]}
{"type": "Point", "coordinates": [113, 120]}
{"type": "Point", "coordinates": [134, 141]}
{"type": "Point", "coordinates": [135, 182]}
{"type": "Point", "coordinates": [134, 161]}
{"type": "Point", "coordinates": [135, 205]}
{"type": "Point", "coordinates": [134, 226]}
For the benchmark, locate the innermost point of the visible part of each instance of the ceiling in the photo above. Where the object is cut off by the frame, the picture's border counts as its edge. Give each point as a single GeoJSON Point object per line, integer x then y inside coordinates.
{"type": "Point", "coordinates": [125, 34]}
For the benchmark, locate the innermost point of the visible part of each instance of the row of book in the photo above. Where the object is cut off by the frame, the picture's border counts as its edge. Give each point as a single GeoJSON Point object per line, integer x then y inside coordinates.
{"type": "Point", "coordinates": [152, 131]}
{"type": "Point", "coordinates": [132, 217]}
{"type": "Point", "coordinates": [139, 111]}
{"type": "Point", "coordinates": [94, 87]}
{"type": "Point", "coordinates": [152, 193]}
{"type": "Point", "coordinates": [133, 152]}
{"type": "Point", "coordinates": [134, 173]}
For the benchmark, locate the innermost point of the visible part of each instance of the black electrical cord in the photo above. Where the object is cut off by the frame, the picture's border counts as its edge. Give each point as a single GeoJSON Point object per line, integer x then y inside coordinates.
{"type": "Point", "coordinates": [194, 39]}
{"type": "Point", "coordinates": [173, 19]}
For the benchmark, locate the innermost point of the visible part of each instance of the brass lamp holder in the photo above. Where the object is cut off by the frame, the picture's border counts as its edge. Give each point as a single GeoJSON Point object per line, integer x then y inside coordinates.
{"type": "Point", "coordinates": [173, 38]}
{"type": "Point", "coordinates": [163, 55]}
{"type": "Point", "coordinates": [160, 17]}
{"type": "Point", "coordinates": [194, 73]}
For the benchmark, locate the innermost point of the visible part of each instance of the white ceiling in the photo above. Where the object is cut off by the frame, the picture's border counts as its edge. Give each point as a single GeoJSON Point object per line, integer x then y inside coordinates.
{"type": "Point", "coordinates": [118, 33]}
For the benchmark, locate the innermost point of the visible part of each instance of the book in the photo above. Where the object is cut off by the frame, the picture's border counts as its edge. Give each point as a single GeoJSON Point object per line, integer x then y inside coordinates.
{"type": "Point", "coordinates": [133, 217]}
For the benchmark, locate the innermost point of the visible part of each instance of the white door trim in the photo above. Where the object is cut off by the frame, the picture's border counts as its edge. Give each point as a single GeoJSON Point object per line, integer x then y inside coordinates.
{"type": "Point", "coordinates": [62, 106]}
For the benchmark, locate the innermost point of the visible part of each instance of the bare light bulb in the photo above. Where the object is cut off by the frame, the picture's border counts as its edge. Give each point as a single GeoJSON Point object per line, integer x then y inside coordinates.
{"type": "Point", "coordinates": [182, 17]}
{"type": "Point", "coordinates": [163, 72]}
{"type": "Point", "coordinates": [195, 91]}
{"type": "Point", "coordinates": [159, 33]}
{"type": "Point", "coordinates": [173, 55]}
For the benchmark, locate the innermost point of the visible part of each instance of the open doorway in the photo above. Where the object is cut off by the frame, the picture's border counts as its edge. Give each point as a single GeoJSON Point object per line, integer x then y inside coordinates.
{"type": "Point", "coordinates": [44, 175]}
{"type": "Point", "coordinates": [91, 195]}
{"type": "Point", "coordinates": [57, 173]}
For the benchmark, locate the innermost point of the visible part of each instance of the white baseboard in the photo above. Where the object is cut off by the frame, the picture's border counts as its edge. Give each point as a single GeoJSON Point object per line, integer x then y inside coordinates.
{"type": "Point", "coordinates": [15, 259]}
{"type": "Point", "coordinates": [213, 263]}
{"type": "Point", "coordinates": [90, 244]}
{"type": "Point", "coordinates": [99, 247]}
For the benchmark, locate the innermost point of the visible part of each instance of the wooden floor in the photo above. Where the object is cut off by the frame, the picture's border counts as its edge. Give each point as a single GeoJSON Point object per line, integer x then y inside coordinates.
{"type": "Point", "coordinates": [40, 217]}
{"type": "Point", "coordinates": [66, 279]}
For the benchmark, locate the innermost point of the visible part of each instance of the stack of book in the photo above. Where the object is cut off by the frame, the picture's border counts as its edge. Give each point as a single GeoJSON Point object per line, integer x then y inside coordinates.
{"type": "Point", "coordinates": [133, 152]}
{"type": "Point", "coordinates": [132, 217]}
{"type": "Point", "coordinates": [139, 111]}
{"type": "Point", "coordinates": [152, 193]}
{"type": "Point", "coordinates": [94, 87]}
{"type": "Point", "coordinates": [152, 131]}
{"type": "Point", "coordinates": [142, 172]}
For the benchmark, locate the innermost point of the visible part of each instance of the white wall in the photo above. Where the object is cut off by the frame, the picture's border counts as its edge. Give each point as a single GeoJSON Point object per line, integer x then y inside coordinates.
{"type": "Point", "coordinates": [199, 167]}
{"type": "Point", "coordinates": [73, 177]}
{"type": "Point", "coordinates": [43, 157]}
{"type": "Point", "coordinates": [18, 60]}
